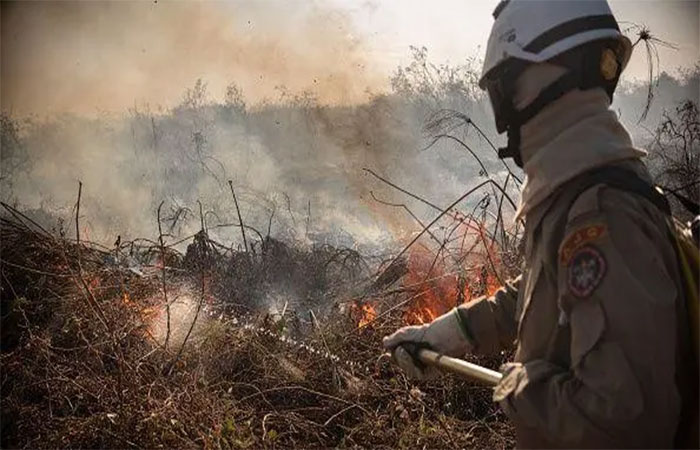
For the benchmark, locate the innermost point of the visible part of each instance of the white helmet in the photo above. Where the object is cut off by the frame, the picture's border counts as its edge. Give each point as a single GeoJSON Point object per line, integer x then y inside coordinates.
{"type": "Point", "coordinates": [581, 35]}
{"type": "Point", "coordinates": [538, 30]}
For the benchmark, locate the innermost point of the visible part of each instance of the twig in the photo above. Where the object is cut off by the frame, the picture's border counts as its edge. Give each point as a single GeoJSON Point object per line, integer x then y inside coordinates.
{"type": "Point", "coordinates": [490, 259]}
{"type": "Point", "coordinates": [238, 211]}
{"type": "Point", "coordinates": [22, 217]}
{"type": "Point", "coordinates": [163, 283]}
{"type": "Point", "coordinates": [269, 223]}
{"type": "Point", "coordinates": [214, 227]}
{"type": "Point", "coordinates": [436, 219]}
{"type": "Point", "coordinates": [410, 194]}
{"type": "Point", "coordinates": [433, 205]}
{"type": "Point", "coordinates": [202, 293]}
{"type": "Point", "coordinates": [499, 216]}
{"type": "Point", "coordinates": [91, 298]}
{"type": "Point", "coordinates": [338, 414]}
{"type": "Point", "coordinates": [289, 208]}
{"type": "Point", "coordinates": [483, 135]}
{"type": "Point", "coordinates": [29, 269]}
{"type": "Point", "coordinates": [323, 339]}
{"type": "Point", "coordinates": [463, 144]}
{"type": "Point", "coordinates": [202, 222]}
{"type": "Point", "coordinates": [410, 213]}
{"type": "Point", "coordinates": [92, 301]}
{"type": "Point", "coordinates": [307, 390]}
{"type": "Point", "coordinates": [443, 122]}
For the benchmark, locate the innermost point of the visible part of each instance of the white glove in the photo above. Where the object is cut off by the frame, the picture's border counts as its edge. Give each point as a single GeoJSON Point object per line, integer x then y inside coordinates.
{"type": "Point", "coordinates": [444, 335]}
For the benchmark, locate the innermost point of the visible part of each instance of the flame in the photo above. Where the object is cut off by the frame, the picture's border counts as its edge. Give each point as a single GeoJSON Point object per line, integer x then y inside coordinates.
{"type": "Point", "coordinates": [436, 287]}
{"type": "Point", "coordinates": [492, 284]}
{"type": "Point", "coordinates": [435, 291]}
{"type": "Point", "coordinates": [364, 313]}
{"type": "Point", "coordinates": [420, 315]}
{"type": "Point", "coordinates": [126, 299]}
{"type": "Point", "coordinates": [150, 313]}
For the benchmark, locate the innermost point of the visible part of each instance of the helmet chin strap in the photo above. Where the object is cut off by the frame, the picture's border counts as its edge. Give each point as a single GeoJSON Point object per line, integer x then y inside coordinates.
{"type": "Point", "coordinates": [512, 150]}
{"type": "Point", "coordinates": [564, 84]}
{"type": "Point", "coordinates": [593, 67]}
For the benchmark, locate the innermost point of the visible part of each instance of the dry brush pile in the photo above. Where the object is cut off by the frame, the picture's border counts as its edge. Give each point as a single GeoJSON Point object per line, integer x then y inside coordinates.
{"type": "Point", "coordinates": [271, 345]}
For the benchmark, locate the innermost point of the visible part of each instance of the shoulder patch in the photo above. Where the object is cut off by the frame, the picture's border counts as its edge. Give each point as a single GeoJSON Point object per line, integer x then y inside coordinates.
{"type": "Point", "coordinates": [585, 271]}
{"type": "Point", "coordinates": [579, 238]}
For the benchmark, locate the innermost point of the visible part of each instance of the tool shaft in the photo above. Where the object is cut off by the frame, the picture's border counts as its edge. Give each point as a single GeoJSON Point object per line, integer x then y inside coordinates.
{"type": "Point", "coordinates": [459, 367]}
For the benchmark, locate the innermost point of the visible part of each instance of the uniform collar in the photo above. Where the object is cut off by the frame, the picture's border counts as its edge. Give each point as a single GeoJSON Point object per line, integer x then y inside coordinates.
{"type": "Point", "coordinates": [576, 133]}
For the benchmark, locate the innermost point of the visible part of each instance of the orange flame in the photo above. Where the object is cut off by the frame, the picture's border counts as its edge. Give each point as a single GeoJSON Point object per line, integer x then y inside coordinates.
{"type": "Point", "coordinates": [364, 314]}
{"type": "Point", "coordinates": [435, 291]}
{"type": "Point", "coordinates": [438, 288]}
{"type": "Point", "coordinates": [492, 284]}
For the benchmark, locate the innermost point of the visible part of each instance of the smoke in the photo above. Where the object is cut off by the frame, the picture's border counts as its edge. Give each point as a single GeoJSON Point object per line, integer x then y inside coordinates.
{"type": "Point", "coordinates": [296, 167]}
{"type": "Point", "coordinates": [293, 131]}
{"type": "Point", "coordinates": [91, 57]}
{"type": "Point", "coordinates": [289, 159]}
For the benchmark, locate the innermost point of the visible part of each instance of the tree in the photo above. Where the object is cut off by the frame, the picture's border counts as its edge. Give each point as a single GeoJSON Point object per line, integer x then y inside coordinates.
{"type": "Point", "coordinates": [234, 100]}
{"type": "Point", "coordinates": [13, 155]}
{"type": "Point", "coordinates": [676, 154]}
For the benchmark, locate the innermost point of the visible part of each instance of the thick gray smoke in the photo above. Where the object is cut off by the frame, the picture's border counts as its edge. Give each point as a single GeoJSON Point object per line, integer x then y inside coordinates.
{"type": "Point", "coordinates": [294, 160]}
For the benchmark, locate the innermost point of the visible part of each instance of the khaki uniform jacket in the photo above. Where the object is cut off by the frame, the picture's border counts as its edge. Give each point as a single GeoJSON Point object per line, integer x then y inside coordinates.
{"type": "Point", "coordinates": [594, 321]}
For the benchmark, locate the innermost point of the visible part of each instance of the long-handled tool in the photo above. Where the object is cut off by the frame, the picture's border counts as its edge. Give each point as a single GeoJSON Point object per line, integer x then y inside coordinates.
{"type": "Point", "coordinates": [459, 367]}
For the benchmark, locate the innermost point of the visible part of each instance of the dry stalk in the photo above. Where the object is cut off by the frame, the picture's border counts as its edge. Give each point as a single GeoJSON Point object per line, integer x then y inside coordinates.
{"type": "Point", "coordinates": [86, 288]}
{"type": "Point", "coordinates": [202, 295]}
{"type": "Point", "coordinates": [314, 321]}
{"type": "Point", "coordinates": [464, 145]}
{"type": "Point", "coordinates": [440, 216]}
{"type": "Point", "coordinates": [406, 208]}
{"type": "Point", "coordinates": [163, 283]}
{"type": "Point", "coordinates": [91, 297]}
{"type": "Point", "coordinates": [444, 121]}
{"type": "Point", "coordinates": [238, 211]}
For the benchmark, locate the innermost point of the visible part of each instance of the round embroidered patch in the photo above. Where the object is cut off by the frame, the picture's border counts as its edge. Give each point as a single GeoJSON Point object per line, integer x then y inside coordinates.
{"type": "Point", "coordinates": [586, 270]}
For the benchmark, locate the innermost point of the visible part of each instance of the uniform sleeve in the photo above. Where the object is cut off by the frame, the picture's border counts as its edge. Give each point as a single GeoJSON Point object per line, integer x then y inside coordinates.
{"type": "Point", "coordinates": [617, 295]}
{"type": "Point", "coordinates": [490, 321]}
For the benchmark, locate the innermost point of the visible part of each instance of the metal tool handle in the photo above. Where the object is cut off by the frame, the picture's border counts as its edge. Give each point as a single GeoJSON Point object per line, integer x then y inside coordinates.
{"type": "Point", "coordinates": [459, 367]}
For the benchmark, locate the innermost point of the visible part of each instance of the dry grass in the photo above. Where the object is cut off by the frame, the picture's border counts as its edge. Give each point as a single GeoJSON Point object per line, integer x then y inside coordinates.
{"type": "Point", "coordinates": [70, 379]}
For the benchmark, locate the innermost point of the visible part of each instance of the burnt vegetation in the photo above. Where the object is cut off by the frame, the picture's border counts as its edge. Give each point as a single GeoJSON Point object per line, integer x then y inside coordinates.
{"type": "Point", "coordinates": [86, 361]}
{"type": "Point", "coordinates": [676, 156]}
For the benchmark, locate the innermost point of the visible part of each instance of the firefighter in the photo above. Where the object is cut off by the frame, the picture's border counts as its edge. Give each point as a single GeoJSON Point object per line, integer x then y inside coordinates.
{"type": "Point", "coordinates": [595, 317]}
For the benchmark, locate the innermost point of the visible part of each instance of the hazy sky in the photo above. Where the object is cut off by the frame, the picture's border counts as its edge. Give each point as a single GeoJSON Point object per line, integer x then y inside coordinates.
{"type": "Point", "coordinates": [89, 57]}
{"type": "Point", "coordinates": [454, 28]}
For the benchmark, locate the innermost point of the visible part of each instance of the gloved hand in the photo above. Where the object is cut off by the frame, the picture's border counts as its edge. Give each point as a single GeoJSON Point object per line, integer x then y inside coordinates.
{"type": "Point", "coordinates": [444, 335]}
